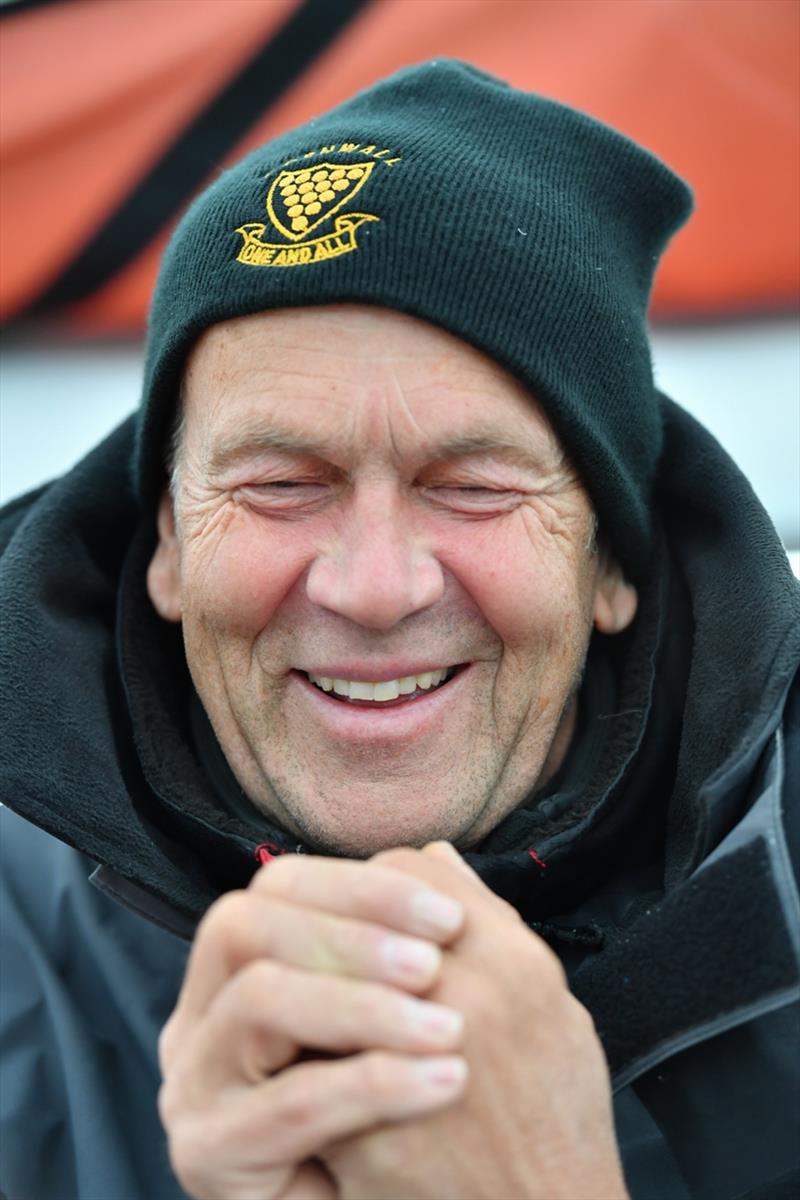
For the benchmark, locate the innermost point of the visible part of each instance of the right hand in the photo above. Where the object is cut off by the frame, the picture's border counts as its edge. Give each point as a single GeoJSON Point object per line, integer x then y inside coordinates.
{"type": "Point", "coordinates": [307, 958]}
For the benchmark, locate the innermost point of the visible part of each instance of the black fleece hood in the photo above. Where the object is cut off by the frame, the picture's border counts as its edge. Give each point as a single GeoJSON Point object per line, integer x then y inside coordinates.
{"type": "Point", "coordinates": [97, 747]}
{"type": "Point", "coordinates": [60, 592]}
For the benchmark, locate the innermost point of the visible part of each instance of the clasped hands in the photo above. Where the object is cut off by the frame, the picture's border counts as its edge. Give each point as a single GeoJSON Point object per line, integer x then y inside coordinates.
{"type": "Point", "coordinates": [382, 1030]}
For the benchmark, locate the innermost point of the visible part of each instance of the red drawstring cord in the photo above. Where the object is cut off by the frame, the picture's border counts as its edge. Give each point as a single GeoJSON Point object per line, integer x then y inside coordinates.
{"type": "Point", "coordinates": [537, 860]}
{"type": "Point", "coordinates": [267, 852]}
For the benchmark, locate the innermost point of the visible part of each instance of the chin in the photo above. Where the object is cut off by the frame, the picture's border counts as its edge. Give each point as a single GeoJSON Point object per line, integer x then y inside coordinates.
{"type": "Point", "coordinates": [368, 831]}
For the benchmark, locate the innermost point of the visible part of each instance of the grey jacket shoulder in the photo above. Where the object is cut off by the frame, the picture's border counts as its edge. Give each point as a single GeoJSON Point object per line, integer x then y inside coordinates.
{"type": "Point", "coordinates": [715, 1115]}
{"type": "Point", "coordinates": [87, 985]}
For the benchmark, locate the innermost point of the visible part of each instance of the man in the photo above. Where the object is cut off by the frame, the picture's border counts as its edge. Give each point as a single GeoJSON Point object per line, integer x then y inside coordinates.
{"type": "Point", "coordinates": [426, 600]}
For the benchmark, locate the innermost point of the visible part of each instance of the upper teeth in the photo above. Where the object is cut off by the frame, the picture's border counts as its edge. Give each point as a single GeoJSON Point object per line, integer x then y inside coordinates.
{"type": "Point", "coordinates": [387, 689]}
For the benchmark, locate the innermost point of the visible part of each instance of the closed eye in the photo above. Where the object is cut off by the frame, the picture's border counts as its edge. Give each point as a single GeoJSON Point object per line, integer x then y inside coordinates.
{"type": "Point", "coordinates": [283, 494]}
{"type": "Point", "coordinates": [469, 498]}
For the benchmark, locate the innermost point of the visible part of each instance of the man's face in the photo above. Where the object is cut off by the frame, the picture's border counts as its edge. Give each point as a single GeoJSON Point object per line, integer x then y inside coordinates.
{"type": "Point", "coordinates": [362, 497]}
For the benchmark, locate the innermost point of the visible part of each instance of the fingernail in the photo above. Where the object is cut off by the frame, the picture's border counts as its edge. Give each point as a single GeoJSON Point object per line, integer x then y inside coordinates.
{"type": "Point", "coordinates": [441, 1074]}
{"type": "Point", "coordinates": [411, 956]}
{"type": "Point", "coordinates": [435, 1020]}
{"type": "Point", "coordinates": [440, 913]}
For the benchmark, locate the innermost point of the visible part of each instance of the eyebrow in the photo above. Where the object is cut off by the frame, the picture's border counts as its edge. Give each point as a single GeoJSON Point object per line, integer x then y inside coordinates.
{"type": "Point", "coordinates": [489, 443]}
{"type": "Point", "coordinates": [246, 444]}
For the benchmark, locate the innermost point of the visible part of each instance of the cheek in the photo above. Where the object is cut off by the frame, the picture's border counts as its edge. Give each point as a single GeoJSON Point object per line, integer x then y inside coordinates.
{"type": "Point", "coordinates": [237, 582]}
{"type": "Point", "coordinates": [528, 589]}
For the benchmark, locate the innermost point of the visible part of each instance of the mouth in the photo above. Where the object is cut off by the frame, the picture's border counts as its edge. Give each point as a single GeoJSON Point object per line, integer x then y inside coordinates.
{"type": "Point", "coordinates": [385, 693]}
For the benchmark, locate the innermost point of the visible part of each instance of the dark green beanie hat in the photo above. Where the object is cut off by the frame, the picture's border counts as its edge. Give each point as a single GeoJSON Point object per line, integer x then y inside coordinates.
{"type": "Point", "coordinates": [525, 228]}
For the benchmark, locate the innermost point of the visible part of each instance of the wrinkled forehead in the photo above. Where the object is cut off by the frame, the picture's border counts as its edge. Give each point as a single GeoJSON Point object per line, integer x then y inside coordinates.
{"type": "Point", "coordinates": [358, 377]}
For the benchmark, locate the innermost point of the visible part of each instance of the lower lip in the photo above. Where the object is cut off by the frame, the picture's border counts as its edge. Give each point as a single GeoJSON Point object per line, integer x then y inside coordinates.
{"type": "Point", "coordinates": [367, 721]}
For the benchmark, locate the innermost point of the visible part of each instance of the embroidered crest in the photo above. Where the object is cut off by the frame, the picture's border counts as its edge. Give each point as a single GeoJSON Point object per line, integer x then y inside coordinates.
{"type": "Point", "coordinates": [301, 201]}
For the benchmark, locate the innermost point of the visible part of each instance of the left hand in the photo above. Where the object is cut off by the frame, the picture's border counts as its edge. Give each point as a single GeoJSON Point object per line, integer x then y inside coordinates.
{"type": "Point", "coordinates": [535, 1121]}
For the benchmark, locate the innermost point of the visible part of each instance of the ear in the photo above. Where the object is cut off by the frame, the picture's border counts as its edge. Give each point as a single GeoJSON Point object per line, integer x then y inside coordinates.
{"type": "Point", "coordinates": [164, 574]}
{"type": "Point", "coordinates": [615, 600]}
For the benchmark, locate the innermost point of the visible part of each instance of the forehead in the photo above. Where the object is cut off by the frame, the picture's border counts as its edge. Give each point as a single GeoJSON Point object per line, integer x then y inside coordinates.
{"type": "Point", "coordinates": [352, 374]}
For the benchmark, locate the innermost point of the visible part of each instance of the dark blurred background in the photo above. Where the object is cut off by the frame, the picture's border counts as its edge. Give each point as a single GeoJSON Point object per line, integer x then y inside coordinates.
{"type": "Point", "coordinates": [114, 113]}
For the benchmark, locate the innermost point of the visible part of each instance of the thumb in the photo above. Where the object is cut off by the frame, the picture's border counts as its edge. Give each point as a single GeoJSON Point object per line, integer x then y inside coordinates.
{"type": "Point", "coordinates": [447, 853]}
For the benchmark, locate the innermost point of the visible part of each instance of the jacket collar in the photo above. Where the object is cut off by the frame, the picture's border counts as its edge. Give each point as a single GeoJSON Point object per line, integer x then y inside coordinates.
{"type": "Point", "coordinates": [721, 948]}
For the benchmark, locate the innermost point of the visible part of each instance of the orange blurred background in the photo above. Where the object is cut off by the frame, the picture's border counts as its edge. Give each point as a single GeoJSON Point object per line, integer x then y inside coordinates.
{"type": "Point", "coordinates": [108, 111]}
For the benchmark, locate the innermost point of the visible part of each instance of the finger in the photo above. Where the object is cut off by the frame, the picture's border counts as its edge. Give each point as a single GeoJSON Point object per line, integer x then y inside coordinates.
{"type": "Point", "coordinates": [346, 888]}
{"type": "Point", "coordinates": [244, 926]}
{"type": "Point", "coordinates": [445, 852]}
{"type": "Point", "coordinates": [267, 1011]}
{"type": "Point", "coordinates": [307, 1107]}
{"type": "Point", "coordinates": [445, 871]}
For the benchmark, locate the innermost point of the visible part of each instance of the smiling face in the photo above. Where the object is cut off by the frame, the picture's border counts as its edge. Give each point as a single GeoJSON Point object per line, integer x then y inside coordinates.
{"type": "Point", "coordinates": [364, 506]}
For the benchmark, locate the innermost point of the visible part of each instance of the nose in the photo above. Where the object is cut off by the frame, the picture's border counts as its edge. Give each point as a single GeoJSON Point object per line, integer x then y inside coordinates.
{"type": "Point", "coordinates": [377, 571]}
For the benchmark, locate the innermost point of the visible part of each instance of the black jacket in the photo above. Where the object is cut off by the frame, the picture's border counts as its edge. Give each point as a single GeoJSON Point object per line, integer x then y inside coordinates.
{"type": "Point", "coordinates": [661, 864]}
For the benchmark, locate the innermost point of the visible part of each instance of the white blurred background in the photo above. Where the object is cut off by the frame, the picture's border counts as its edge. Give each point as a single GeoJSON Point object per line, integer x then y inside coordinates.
{"type": "Point", "coordinates": [741, 379]}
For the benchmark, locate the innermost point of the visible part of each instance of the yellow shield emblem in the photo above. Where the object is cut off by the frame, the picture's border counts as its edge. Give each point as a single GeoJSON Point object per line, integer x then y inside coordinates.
{"type": "Point", "coordinates": [299, 201]}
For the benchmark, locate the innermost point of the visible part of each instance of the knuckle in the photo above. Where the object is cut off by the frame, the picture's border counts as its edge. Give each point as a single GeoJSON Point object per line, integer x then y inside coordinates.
{"type": "Point", "coordinates": [279, 877]}
{"type": "Point", "coordinates": [550, 972]}
{"type": "Point", "coordinates": [256, 987]}
{"type": "Point", "coordinates": [188, 1147]}
{"type": "Point", "coordinates": [167, 1043]}
{"type": "Point", "coordinates": [582, 1019]}
{"type": "Point", "coordinates": [300, 1105]}
{"type": "Point", "coordinates": [226, 917]}
{"type": "Point", "coordinates": [540, 963]}
{"type": "Point", "coordinates": [171, 1102]}
{"type": "Point", "coordinates": [166, 1103]}
{"type": "Point", "coordinates": [378, 1072]}
{"type": "Point", "coordinates": [235, 929]}
{"type": "Point", "coordinates": [223, 929]}
{"type": "Point", "coordinates": [256, 990]}
{"type": "Point", "coordinates": [508, 911]}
